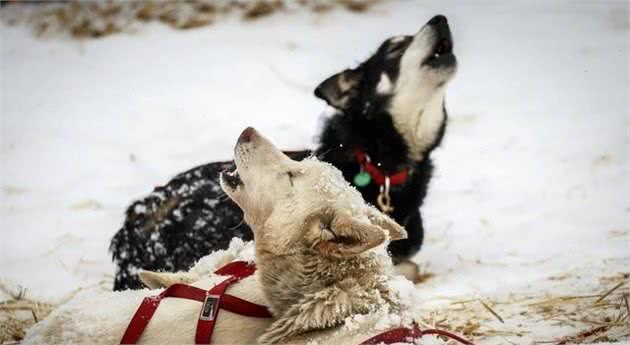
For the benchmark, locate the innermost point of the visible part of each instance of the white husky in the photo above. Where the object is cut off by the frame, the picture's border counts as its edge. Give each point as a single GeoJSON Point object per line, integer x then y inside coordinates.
{"type": "Point", "coordinates": [320, 249]}
{"type": "Point", "coordinates": [321, 257]}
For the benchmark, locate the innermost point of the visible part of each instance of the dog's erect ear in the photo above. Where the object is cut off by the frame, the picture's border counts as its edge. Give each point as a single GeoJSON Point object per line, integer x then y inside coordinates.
{"type": "Point", "coordinates": [378, 218]}
{"type": "Point", "coordinates": [346, 236]}
{"type": "Point", "coordinates": [339, 89]}
{"type": "Point", "coordinates": [157, 280]}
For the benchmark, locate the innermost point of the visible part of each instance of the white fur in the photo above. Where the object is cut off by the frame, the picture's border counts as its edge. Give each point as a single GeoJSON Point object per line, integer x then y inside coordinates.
{"type": "Point", "coordinates": [98, 317]}
{"type": "Point", "coordinates": [305, 213]}
{"type": "Point", "coordinates": [384, 85]}
{"type": "Point", "coordinates": [418, 95]}
{"type": "Point", "coordinates": [397, 39]}
{"type": "Point", "coordinates": [295, 208]}
{"type": "Point", "coordinates": [270, 194]}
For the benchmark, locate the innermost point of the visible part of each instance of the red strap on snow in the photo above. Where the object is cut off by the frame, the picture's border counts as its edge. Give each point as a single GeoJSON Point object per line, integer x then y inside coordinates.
{"type": "Point", "coordinates": [404, 334]}
{"type": "Point", "coordinates": [377, 174]}
{"type": "Point", "coordinates": [213, 300]}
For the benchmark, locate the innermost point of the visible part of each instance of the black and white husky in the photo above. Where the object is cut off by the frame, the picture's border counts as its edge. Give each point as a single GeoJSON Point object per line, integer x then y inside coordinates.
{"type": "Point", "coordinates": [389, 117]}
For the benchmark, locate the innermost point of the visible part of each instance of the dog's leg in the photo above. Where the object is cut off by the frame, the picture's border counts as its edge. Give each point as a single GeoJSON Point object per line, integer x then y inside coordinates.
{"type": "Point", "coordinates": [158, 280]}
{"type": "Point", "coordinates": [403, 250]}
{"type": "Point", "coordinates": [406, 248]}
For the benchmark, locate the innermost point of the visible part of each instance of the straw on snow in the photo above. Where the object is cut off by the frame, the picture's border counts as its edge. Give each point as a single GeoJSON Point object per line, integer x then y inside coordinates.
{"type": "Point", "coordinates": [579, 318]}
{"type": "Point", "coordinates": [91, 19]}
{"type": "Point", "coordinates": [18, 312]}
{"type": "Point", "coordinates": [575, 319]}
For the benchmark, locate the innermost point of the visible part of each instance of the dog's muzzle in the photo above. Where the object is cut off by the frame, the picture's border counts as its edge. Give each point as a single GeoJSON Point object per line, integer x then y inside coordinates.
{"type": "Point", "coordinates": [442, 53]}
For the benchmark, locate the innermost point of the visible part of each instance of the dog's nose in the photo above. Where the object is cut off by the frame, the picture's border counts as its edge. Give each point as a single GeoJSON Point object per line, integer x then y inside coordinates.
{"type": "Point", "coordinates": [246, 135]}
{"type": "Point", "coordinates": [439, 19]}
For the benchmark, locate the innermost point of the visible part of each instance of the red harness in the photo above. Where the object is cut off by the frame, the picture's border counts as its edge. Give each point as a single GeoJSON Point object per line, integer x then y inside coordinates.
{"type": "Point", "coordinates": [403, 334]}
{"type": "Point", "coordinates": [377, 174]}
{"type": "Point", "coordinates": [216, 298]}
{"type": "Point", "coordinates": [213, 300]}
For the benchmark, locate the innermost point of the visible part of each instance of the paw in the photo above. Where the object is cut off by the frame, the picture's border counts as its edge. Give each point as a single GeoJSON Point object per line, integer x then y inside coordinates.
{"type": "Point", "coordinates": [412, 271]}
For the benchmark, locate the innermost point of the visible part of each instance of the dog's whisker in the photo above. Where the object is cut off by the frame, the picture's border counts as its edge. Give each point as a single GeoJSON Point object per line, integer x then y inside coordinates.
{"type": "Point", "coordinates": [321, 155]}
{"type": "Point", "coordinates": [239, 224]}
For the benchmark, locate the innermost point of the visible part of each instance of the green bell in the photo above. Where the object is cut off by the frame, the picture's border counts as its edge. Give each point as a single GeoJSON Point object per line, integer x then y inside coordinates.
{"type": "Point", "coordinates": [362, 179]}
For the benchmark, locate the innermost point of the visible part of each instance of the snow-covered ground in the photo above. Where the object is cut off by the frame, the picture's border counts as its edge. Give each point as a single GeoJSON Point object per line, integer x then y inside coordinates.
{"type": "Point", "coordinates": [532, 179]}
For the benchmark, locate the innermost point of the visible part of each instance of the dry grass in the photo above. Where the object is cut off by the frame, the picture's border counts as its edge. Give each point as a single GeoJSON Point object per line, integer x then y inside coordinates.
{"type": "Point", "coordinates": [93, 19]}
{"type": "Point", "coordinates": [18, 312]}
{"type": "Point", "coordinates": [597, 316]}
{"type": "Point", "coordinates": [603, 315]}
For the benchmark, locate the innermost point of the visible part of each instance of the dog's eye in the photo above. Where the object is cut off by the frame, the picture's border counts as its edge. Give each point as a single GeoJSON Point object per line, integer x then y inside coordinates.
{"type": "Point", "coordinates": [325, 223]}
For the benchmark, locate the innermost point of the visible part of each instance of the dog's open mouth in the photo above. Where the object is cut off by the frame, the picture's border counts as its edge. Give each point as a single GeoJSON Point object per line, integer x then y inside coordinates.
{"type": "Point", "coordinates": [231, 178]}
{"type": "Point", "coordinates": [441, 54]}
{"type": "Point", "coordinates": [443, 47]}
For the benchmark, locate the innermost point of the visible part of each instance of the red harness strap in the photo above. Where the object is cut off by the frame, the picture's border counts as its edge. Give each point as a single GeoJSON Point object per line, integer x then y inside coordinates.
{"type": "Point", "coordinates": [212, 299]}
{"type": "Point", "coordinates": [377, 174]}
{"type": "Point", "coordinates": [216, 298]}
{"type": "Point", "coordinates": [404, 334]}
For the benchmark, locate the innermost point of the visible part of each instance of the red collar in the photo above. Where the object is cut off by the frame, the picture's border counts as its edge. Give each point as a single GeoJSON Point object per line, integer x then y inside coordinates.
{"type": "Point", "coordinates": [376, 173]}
{"type": "Point", "coordinates": [212, 299]}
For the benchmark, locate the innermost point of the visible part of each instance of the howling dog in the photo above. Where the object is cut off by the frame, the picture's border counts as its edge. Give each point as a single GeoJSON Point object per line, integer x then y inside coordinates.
{"type": "Point", "coordinates": [320, 250]}
{"type": "Point", "coordinates": [389, 116]}
{"type": "Point", "coordinates": [321, 257]}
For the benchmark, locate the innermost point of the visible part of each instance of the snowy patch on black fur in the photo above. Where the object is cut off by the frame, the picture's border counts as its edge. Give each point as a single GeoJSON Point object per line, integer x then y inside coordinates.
{"type": "Point", "coordinates": [175, 225]}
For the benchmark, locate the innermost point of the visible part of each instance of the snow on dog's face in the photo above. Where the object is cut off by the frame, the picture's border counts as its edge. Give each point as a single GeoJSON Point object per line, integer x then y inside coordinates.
{"type": "Point", "coordinates": [291, 204]}
{"type": "Point", "coordinates": [405, 78]}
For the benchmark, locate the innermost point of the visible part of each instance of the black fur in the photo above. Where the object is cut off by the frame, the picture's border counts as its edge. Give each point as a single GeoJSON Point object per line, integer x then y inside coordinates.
{"type": "Point", "coordinates": [175, 225]}
{"type": "Point", "coordinates": [190, 217]}
{"type": "Point", "coordinates": [406, 198]}
{"type": "Point", "coordinates": [163, 230]}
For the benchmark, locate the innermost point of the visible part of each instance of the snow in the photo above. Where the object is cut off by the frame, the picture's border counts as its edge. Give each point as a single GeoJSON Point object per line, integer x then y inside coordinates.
{"type": "Point", "coordinates": [531, 181]}
{"type": "Point", "coordinates": [237, 250]}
